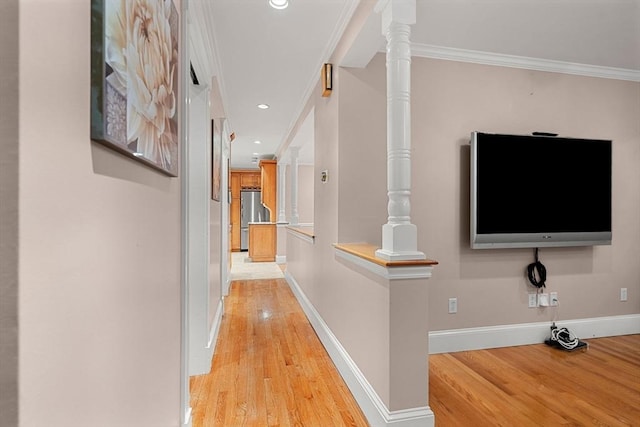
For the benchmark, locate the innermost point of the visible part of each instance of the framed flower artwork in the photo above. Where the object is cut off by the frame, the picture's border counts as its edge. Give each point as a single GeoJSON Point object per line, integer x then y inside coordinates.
{"type": "Point", "coordinates": [134, 79]}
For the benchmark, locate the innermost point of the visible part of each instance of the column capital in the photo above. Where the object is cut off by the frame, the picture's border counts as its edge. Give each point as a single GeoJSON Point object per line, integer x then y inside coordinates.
{"type": "Point", "coordinates": [400, 11]}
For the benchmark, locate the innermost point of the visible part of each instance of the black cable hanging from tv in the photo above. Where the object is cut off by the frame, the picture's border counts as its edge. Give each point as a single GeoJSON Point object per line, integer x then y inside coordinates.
{"type": "Point", "coordinates": [540, 269]}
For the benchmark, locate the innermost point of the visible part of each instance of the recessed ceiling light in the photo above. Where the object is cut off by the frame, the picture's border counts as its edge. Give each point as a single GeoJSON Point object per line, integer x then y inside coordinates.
{"type": "Point", "coordinates": [257, 142]}
{"type": "Point", "coordinates": [138, 154]}
{"type": "Point", "coordinates": [279, 4]}
{"type": "Point", "coordinates": [255, 154]}
{"type": "Point", "coordinates": [263, 106]}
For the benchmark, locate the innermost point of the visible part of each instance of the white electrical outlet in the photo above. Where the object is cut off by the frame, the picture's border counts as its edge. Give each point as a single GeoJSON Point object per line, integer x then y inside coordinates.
{"type": "Point", "coordinates": [453, 305]}
{"type": "Point", "coordinates": [543, 300]}
{"type": "Point", "coordinates": [623, 294]}
{"type": "Point", "coordinates": [553, 299]}
{"type": "Point", "coordinates": [533, 300]}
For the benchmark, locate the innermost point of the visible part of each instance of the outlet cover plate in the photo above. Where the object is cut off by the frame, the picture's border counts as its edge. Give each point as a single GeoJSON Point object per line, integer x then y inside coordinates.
{"type": "Point", "coordinates": [453, 305]}
{"type": "Point", "coordinates": [543, 300]}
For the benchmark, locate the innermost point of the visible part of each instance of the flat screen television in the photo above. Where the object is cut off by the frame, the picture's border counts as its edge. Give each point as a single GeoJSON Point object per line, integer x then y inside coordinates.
{"type": "Point", "coordinates": [530, 191]}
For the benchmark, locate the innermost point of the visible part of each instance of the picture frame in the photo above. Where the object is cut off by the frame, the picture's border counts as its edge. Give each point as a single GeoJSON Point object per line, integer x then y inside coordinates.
{"type": "Point", "coordinates": [135, 80]}
{"type": "Point", "coordinates": [216, 159]}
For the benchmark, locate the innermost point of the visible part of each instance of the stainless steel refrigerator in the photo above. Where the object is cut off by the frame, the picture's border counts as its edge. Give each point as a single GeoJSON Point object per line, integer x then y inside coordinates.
{"type": "Point", "coordinates": [251, 210]}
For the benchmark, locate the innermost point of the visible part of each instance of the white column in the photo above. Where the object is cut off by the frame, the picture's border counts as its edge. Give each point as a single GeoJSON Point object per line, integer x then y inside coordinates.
{"type": "Point", "coordinates": [399, 235]}
{"type": "Point", "coordinates": [293, 154]}
{"type": "Point", "coordinates": [282, 173]}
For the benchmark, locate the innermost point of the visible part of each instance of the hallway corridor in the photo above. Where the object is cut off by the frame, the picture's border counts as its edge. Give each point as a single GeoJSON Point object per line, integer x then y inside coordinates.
{"type": "Point", "coordinates": [269, 368]}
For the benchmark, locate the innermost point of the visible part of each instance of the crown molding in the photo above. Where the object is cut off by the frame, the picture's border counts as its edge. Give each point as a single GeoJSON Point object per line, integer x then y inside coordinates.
{"type": "Point", "coordinates": [514, 61]}
{"type": "Point", "coordinates": [204, 52]}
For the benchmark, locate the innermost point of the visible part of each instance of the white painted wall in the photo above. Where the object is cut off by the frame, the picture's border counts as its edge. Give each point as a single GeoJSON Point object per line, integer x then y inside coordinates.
{"type": "Point", "coordinates": [225, 255]}
{"type": "Point", "coordinates": [198, 173]}
{"type": "Point", "coordinates": [99, 249]}
{"type": "Point", "coordinates": [306, 177]}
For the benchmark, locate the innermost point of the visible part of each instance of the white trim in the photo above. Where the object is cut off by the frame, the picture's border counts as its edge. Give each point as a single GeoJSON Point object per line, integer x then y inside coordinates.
{"type": "Point", "coordinates": [281, 259]}
{"type": "Point", "coordinates": [372, 406]}
{"type": "Point", "coordinates": [183, 114]}
{"type": "Point", "coordinates": [215, 326]}
{"type": "Point", "coordinates": [186, 422]}
{"type": "Point", "coordinates": [390, 273]}
{"type": "Point", "coordinates": [514, 61]}
{"type": "Point", "coordinates": [453, 340]}
{"type": "Point", "coordinates": [201, 355]}
{"type": "Point", "coordinates": [301, 236]}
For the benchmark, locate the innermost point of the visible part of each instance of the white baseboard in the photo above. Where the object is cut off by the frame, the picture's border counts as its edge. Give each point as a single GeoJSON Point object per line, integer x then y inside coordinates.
{"type": "Point", "coordinates": [372, 406]}
{"type": "Point", "coordinates": [187, 417]}
{"type": "Point", "coordinates": [453, 340]}
{"type": "Point", "coordinates": [200, 357]}
{"type": "Point", "coordinates": [215, 326]}
{"type": "Point", "coordinates": [281, 259]}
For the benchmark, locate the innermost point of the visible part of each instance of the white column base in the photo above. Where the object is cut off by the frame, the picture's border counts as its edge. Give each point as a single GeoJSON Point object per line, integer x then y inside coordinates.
{"type": "Point", "coordinates": [399, 243]}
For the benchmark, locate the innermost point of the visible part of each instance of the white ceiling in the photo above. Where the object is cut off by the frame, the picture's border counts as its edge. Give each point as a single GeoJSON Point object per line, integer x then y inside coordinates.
{"type": "Point", "coordinates": [261, 55]}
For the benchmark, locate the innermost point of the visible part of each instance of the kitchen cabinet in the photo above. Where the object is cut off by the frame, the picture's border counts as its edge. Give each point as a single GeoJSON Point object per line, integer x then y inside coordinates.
{"type": "Point", "coordinates": [250, 180]}
{"type": "Point", "coordinates": [235, 211]}
{"type": "Point", "coordinates": [262, 241]}
{"type": "Point", "coordinates": [268, 178]}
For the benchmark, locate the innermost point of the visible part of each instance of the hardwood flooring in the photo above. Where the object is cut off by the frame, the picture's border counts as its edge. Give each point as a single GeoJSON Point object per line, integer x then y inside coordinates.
{"type": "Point", "coordinates": [537, 385]}
{"type": "Point", "coordinates": [269, 367]}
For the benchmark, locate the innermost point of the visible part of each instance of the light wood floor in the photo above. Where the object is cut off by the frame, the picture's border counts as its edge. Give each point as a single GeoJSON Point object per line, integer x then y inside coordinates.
{"type": "Point", "coordinates": [269, 367]}
{"type": "Point", "coordinates": [538, 385]}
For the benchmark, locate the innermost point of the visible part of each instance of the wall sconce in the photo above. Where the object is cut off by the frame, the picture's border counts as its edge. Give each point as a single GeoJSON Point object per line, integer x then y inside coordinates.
{"type": "Point", "coordinates": [327, 79]}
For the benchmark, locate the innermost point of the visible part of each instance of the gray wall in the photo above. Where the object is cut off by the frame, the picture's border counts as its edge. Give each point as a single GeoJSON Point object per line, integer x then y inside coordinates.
{"type": "Point", "coordinates": [9, 102]}
{"type": "Point", "coordinates": [449, 100]}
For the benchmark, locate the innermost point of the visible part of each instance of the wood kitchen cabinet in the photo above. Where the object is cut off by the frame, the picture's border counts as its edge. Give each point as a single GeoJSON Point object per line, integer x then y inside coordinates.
{"type": "Point", "coordinates": [235, 211]}
{"type": "Point", "coordinates": [250, 180]}
{"type": "Point", "coordinates": [268, 177]}
{"type": "Point", "coordinates": [262, 241]}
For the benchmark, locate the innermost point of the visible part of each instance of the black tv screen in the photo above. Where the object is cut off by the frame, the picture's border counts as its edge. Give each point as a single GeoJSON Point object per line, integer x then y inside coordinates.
{"type": "Point", "coordinates": [531, 191]}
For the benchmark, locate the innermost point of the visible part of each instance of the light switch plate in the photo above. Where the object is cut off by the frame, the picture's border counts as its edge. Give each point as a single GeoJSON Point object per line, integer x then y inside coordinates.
{"type": "Point", "coordinates": [453, 305]}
